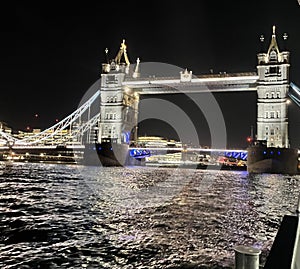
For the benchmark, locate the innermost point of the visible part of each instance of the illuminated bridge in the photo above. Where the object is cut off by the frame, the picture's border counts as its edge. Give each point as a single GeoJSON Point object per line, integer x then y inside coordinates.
{"type": "Point", "coordinates": [117, 105]}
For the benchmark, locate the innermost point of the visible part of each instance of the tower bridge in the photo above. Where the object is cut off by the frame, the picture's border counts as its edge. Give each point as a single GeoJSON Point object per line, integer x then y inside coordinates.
{"type": "Point", "coordinates": [121, 85]}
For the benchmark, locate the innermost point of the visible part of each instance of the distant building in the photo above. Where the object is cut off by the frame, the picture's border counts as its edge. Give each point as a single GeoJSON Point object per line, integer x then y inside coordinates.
{"type": "Point", "coordinates": [157, 142]}
{"type": "Point", "coordinates": [5, 128]}
{"type": "Point", "coordinates": [63, 137]}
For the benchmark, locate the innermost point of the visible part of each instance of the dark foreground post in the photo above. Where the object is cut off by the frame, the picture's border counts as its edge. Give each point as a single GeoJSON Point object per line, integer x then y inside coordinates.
{"type": "Point", "coordinates": [246, 257]}
{"type": "Point", "coordinates": [284, 253]}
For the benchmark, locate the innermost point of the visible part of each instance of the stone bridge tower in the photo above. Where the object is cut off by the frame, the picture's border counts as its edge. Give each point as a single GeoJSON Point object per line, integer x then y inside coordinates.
{"type": "Point", "coordinates": [117, 125]}
{"type": "Point", "coordinates": [119, 105]}
{"type": "Point", "coordinates": [273, 85]}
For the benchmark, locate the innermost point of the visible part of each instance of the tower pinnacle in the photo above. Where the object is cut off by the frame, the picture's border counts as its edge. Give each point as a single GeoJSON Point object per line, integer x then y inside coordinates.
{"type": "Point", "coordinates": [123, 52]}
{"type": "Point", "coordinates": [273, 51]}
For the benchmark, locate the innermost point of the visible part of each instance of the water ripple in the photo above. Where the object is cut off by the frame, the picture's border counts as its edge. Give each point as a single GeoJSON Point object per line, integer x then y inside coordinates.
{"type": "Point", "coordinates": [67, 216]}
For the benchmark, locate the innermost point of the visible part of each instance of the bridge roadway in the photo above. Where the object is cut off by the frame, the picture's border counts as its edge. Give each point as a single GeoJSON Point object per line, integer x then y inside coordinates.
{"type": "Point", "coordinates": [139, 152]}
{"type": "Point", "coordinates": [204, 83]}
{"type": "Point", "coordinates": [78, 147]}
{"type": "Point", "coordinates": [188, 149]}
{"type": "Point", "coordinates": [71, 151]}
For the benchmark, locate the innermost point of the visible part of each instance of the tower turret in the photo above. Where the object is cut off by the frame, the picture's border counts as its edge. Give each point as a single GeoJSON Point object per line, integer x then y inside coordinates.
{"type": "Point", "coordinates": [118, 110]}
{"type": "Point", "coordinates": [120, 63]}
{"type": "Point", "coordinates": [273, 84]}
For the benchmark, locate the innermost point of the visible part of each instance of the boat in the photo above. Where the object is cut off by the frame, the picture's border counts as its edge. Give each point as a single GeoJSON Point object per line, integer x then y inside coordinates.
{"type": "Point", "coordinates": [276, 160]}
{"type": "Point", "coordinates": [44, 154]}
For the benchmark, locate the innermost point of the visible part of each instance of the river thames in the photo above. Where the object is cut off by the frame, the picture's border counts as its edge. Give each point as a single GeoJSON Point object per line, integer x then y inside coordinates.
{"type": "Point", "coordinates": [71, 216]}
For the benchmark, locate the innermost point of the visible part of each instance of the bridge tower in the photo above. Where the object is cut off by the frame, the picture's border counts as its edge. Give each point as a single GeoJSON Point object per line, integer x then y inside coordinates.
{"type": "Point", "coordinates": [118, 110]}
{"type": "Point", "coordinates": [273, 84]}
{"type": "Point", "coordinates": [271, 152]}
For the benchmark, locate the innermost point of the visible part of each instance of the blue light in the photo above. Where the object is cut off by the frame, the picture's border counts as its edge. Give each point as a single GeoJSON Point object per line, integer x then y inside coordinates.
{"type": "Point", "coordinates": [139, 153]}
{"type": "Point", "coordinates": [110, 148]}
{"type": "Point", "coordinates": [271, 152]}
{"type": "Point", "coordinates": [278, 152]}
{"type": "Point", "coordinates": [127, 137]}
{"type": "Point", "coordinates": [265, 152]}
{"type": "Point", "coordinates": [132, 152]}
{"type": "Point", "coordinates": [99, 148]}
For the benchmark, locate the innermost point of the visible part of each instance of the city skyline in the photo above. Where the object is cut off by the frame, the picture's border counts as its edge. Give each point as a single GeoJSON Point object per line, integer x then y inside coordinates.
{"type": "Point", "coordinates": [52, 55]}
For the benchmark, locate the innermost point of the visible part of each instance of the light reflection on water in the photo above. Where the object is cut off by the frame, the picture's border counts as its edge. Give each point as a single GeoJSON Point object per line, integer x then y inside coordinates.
{"type": "Point", "coordinates": [66, 216]}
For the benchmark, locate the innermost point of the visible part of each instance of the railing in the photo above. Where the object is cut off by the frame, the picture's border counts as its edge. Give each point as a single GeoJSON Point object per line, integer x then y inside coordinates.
{"type": "Point", "coordinates": [220, 75]}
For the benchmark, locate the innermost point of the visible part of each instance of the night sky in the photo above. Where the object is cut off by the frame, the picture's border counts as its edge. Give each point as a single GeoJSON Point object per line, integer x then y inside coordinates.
{"type": "Point", "coordinates": [52, 54]}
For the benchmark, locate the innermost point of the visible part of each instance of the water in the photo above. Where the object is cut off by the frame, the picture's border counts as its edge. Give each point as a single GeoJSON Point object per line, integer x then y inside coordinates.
{"type": "Point", "coordinates": [68, 216]}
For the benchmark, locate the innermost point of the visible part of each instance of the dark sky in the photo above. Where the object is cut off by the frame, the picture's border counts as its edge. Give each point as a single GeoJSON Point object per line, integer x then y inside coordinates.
{"type": "Point", "coordinates": [52, 53]}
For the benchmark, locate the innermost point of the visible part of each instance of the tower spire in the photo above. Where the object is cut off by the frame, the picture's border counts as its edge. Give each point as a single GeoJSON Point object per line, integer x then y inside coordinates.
{"type": "Point", "coordinates": [122, 51]}
{"type": "Point", "coordinates": [136, 72]}
{"type": "Point", "coordinates": [273, 51]}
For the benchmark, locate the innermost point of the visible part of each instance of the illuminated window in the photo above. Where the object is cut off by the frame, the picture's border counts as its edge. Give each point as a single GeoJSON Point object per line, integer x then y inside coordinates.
{"type": "Point", "coordinates": [273, 58]}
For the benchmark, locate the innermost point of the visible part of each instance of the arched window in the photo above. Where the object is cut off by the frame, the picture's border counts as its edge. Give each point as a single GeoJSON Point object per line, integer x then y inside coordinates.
{"type": "Point", "coordinates": [273, 56]}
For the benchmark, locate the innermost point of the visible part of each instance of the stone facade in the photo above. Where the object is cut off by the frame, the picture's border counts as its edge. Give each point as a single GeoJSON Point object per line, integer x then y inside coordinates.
{"type": "Point", "coordinates": [272, 90]}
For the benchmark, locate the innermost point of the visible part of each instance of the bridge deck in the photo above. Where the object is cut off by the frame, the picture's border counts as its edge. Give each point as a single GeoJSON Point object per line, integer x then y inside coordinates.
{"type": "Point", "coordinates": [208, 83]}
